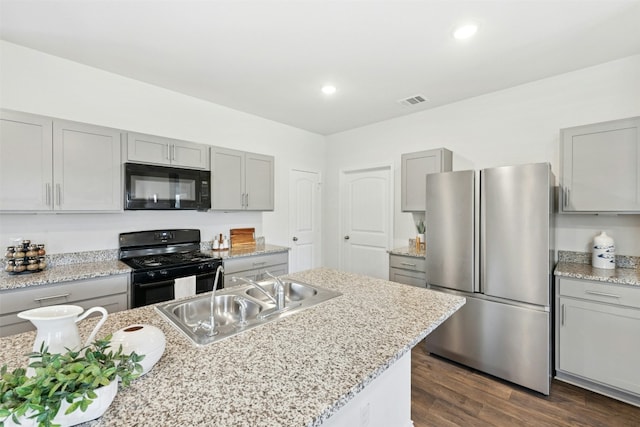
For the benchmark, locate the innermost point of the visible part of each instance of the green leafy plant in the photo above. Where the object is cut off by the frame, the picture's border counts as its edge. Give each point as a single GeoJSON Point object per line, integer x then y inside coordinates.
{"type": "Point", "coordinates": [71, 377]}
{"type": "Point", "coordinates": [420, 227]}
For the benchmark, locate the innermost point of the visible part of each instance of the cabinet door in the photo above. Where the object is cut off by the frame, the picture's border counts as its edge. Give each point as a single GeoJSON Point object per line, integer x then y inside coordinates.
{"type": "Point", "coordinates": [413, 278]}
{"type": "Point", "coordinates": [227, 176]}
{"type": "Point", "coordinates": [415, 167]}
{"type": "Point", "coordinates": [259, 182]}
{"type": "Point", "coordinates": [190, 155]}
{"type": "Point", "coordinates": [148, 149]}
{"type": "Point", "coordinates": [87, 174]}
{"type": "Point", "coordinates": [25, 162]}
{"type": "Point", "coordinates": [601, 167]}
{"type": "Point", "coordinates": [599, 342]}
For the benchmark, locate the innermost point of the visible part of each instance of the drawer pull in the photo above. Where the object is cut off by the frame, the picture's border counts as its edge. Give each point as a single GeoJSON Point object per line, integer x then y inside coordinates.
{"type": "Point", "coordinates": [602, 294]}
{"type": "Point", "coordinates": [408, 264]}
{"type": "Point", "coordinates": [259, 263]}
{"type": "Point", "coordinates": [51, 297]}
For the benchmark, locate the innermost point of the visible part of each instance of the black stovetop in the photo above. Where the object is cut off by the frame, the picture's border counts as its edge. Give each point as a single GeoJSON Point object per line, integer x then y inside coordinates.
{"type": "Point", "coordinates": [167, 260]}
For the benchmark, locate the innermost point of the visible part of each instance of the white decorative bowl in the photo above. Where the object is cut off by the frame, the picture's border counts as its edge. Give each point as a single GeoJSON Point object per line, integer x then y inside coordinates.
{"type": "Point", "coordinates": [145, 340]}
{"type": "Point", "coordinates": [96, 409]}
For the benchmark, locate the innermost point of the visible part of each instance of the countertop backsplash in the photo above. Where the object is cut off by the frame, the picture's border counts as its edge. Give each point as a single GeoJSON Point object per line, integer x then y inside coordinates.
{"type": "Point", "coordinates": [622, 261]}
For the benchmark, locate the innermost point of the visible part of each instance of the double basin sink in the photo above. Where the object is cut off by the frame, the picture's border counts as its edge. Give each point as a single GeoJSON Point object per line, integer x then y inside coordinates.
{"type": "Point", "coordinates": [239, 308]}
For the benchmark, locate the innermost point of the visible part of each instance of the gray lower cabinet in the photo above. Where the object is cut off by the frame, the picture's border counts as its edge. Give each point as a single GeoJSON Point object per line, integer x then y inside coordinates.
{"type": "Point", "coordinates": [597, 330]}
{"type": "Point", "coordinates": [56, 165]}
{"type": "Point", "coordinates": [601, 167]}
{"type": "Point", "coordinates": [415, 167]}
{"type": "Point", "coordinates": [157, 150]}
{"type": "Point", "coordinates": [241, 180]}
{"type": "Point", "coordinates": [408, 270]}
{"type": "Point", "coordinates": [255, 267]}
{"type": "Point", "coordinates": [110, 292]}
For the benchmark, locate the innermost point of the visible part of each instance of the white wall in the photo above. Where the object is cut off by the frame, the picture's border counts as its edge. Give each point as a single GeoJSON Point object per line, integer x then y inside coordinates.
{"type": "Point", "coordinates": [37, 83]}
{"type": "Point", "coordinates": [512, 126]}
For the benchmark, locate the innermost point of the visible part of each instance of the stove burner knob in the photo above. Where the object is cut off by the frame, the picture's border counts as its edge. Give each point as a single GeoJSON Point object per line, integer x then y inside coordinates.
{"type": "Point", "coordinates": [151, 274]}
{"type": "Point", "coordinates": [163, 272]}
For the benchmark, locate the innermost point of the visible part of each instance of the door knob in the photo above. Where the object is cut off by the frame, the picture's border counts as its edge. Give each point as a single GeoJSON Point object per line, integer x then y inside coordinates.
{"type": "Point", "coordinates": [346, 237]}
{"type": "Point", "coordinates": [295, 239]}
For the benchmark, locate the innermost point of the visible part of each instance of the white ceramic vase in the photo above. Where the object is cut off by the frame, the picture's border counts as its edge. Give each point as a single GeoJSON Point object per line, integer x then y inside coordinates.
{"type": "Point", "coordinates": [143, 339]}
{"type": "Point", "coordinates": [604, 252]}
{"type": "Point", "coordinates": [97, 408]}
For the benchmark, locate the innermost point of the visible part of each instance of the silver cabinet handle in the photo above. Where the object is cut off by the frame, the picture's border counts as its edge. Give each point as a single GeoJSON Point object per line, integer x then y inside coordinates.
{"type": "Point", "coordinates": [51, 297]}
{"type": "Point", "coordinates": [168, 154]}
{"type": "Point", "coordinates": [408, 264]}
{"type": "Point", "coordinates": [246, 203]}
{"type": "Point", "coordinates": [295, 239]}
{"type": "Point", "coordinates": [48, 193]}
{"type": "Point", "coordinates": [346, 237]}
{"type": "Point", "coordinates": [58, 194]}
{"type": "Point", "coordinates": [602, 294]}
{"type": "Point", "coordinates": [173, 152]}
{"type": "Point", "coordinates": [256, 264]}
{"type": "Point", "coordinates": [562, 316]}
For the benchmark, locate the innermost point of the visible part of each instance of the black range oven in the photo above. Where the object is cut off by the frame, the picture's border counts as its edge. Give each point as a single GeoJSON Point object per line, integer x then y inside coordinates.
{"type": "Point", "coordinates": [158, 257]}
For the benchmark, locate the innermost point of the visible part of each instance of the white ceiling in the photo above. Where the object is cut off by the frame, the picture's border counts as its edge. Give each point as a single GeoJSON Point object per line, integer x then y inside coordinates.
{"type": "Point", "coordinates": [270, 58]}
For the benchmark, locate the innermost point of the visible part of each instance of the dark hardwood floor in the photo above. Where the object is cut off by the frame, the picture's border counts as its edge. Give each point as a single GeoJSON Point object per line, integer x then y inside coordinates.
{"type": "Point", "coordinates": [447, 394]}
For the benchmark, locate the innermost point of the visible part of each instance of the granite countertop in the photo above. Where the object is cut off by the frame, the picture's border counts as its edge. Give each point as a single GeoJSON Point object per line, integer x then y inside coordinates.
{"type": "Point", "coordinates": [244, 252]}
{"type": "Point", "coordinates": [296, 371]}
{"type": "Point", "coordinates": [576, 270]}
{"type": "Point", "coordinates": [407, 251]}
{"type": "Point", "coordinates": [63, 273]}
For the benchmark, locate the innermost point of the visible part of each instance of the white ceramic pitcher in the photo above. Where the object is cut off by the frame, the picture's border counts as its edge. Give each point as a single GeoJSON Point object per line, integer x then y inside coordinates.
{"type": "Point", "coordinates": [57, 328]}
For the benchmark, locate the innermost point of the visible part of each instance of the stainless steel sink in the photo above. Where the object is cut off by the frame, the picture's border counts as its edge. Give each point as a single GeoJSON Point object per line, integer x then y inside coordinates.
{"type": "Point", "coordinates": [226, 310]}
{"type": "Point", "coordinates": [293, 291]}
{"type": "Point", "coordinates": [239, 308]}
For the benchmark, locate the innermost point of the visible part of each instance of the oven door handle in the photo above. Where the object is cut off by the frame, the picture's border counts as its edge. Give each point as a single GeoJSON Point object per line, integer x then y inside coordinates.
{"type": "Point", "coordinates": [155, 284]}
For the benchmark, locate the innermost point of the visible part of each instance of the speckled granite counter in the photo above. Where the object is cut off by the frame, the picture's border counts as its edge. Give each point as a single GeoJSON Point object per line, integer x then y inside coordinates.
{"type": "Point", "coordinates": [621, 276]}
{"type": "Point", "coordinates": [297, 371]}
{"type": "Point", "coordinates": [238, 253]}
{"type": "Point", "coordinates": [407, 251]}
{"type": "Point", "coordinates": [578, 266]}
{"type": "Point", "coordinates": [63, 273]}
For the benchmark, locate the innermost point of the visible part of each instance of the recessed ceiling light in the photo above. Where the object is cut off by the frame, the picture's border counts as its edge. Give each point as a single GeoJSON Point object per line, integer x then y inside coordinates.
{"type": "Point", "coordinates": [328, 89]}
{"type": "Point", "coordinates": [465, 31]}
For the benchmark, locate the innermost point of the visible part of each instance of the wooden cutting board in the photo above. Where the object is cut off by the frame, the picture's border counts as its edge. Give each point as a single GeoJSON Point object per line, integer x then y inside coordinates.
{"type": "Point", "coordinates": [242, 238]}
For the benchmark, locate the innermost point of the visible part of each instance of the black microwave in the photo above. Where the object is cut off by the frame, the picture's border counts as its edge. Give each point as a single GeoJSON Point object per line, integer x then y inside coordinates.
{"type": "Point", "coordinates": [166, 188]}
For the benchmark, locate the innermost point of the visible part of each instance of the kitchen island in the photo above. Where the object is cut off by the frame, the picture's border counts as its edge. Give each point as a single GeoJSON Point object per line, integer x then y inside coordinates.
{"type": "Point", "coordinates": [302, 370]}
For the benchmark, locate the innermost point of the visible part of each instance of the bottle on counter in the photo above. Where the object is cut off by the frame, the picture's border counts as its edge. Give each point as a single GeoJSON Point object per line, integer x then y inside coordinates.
{"type": "Point", "coordinates": [216, 244]}
{"type": "Point", "coordinates": [225, 244]}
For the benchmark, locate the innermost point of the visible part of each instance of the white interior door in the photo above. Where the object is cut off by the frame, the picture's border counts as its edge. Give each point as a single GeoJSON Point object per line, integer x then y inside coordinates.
{"type": "Point", "coordinates": [365, 211]}
{"type": "Point", "coordinates": [304, 220]}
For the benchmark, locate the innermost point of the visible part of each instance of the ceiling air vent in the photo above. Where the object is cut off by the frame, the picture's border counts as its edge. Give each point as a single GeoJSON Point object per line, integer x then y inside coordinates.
{"type": "Point", "coordinates": [412, 100]}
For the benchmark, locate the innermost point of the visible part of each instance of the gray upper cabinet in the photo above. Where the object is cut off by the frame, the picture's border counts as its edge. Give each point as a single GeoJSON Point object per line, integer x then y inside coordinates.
{"type": "Point", "coordinates": [601, 167]}
{"type": "Point", "coordinates": [158, 150]}
{"type": "Point", "coordinates": [241, 180]}
{"type": "Point", "coordinates": [415, 167]}
{"type": "Point", "coordinates": [26, 151]}
{"type": "Point", "coordinates": [86, 172]}
{"type": "Point", "coordinates": [55, 165]}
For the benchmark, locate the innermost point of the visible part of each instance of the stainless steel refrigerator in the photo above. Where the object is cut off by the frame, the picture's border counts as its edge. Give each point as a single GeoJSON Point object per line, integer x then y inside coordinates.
{"type": "Point", "coordinates": [489, 238]}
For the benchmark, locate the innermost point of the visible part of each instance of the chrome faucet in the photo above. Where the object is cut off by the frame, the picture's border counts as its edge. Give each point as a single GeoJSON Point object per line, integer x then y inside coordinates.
{"type": "Point", "coordinates": [210, 326]}
{"type": "Point", "coordinates": [278, 299]}
{"type": "Point", "coordinates": [278, 289]}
